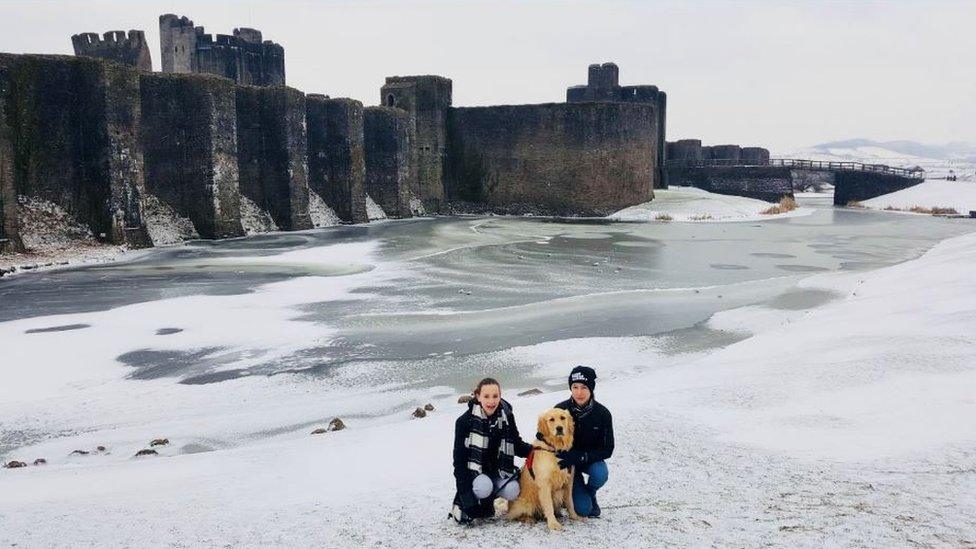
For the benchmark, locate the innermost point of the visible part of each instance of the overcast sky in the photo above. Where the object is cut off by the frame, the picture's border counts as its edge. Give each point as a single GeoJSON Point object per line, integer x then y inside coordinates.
{"type": "Point", "coordinates": [779, 74]}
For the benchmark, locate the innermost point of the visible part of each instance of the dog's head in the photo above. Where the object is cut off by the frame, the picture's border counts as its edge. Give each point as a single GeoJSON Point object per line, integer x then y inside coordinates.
{"type": "Point", "coordinates": [556, 428]}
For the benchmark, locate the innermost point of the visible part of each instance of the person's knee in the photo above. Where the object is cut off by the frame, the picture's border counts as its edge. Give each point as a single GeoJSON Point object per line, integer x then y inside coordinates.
{"type": "Point", "coordinates": [481, 486]}
{"type": "Point", "coordinates": [598, 475]}
{"type": "Point", "coordinates": [510, 491]}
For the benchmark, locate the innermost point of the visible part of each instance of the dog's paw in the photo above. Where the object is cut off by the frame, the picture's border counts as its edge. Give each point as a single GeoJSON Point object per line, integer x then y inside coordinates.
{"type": "Point", "coordinates": [554, 526]}
{"type": "Point", "coordinates": [574, 516]}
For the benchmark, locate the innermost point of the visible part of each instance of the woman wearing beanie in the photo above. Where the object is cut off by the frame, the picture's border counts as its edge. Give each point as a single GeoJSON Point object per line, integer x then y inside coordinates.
{"type": "Point", "coordinates": [592, 442]}
{"type": "Point", "coordinates": [486, 442]}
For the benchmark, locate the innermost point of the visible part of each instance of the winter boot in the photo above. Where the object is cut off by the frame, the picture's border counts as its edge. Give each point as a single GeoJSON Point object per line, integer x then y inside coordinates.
{"type": "Point", "coordinates": [459, 515]}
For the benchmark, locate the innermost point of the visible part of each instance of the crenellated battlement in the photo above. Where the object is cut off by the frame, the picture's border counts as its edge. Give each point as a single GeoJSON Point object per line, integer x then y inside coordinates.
{"type": "Point", "coordinates": [127, 48]}
{"type": "Point", "coordinates": [243, 56]}
{"type": "Point", "coordinates": [175, 21]}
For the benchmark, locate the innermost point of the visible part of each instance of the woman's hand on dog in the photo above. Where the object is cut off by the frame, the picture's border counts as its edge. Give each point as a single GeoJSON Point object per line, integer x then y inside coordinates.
{"type": "Point", "coordinates": [571, 458]}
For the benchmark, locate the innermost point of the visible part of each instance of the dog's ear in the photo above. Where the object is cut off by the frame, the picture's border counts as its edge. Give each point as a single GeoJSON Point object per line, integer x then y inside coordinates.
{"type": "Point", "coordinates": [543, 426]}
{"type": "Point", "coordinates": [570, 427]}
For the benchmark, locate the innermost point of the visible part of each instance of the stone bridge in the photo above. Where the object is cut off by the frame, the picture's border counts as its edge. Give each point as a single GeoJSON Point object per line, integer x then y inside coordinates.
{"type": "Point", "coordinates": [771, 179]}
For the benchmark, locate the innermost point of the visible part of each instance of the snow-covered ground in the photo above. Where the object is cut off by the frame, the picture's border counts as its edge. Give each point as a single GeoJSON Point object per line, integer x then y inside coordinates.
{"type": "Point", "coordinates": [960, 195]}
{"type": "Point", "coordinates": [79, 254]}
{"type": "Point", "coordinates": [373, 210]}
{"type": "Point", "coordinates": [845, 424]}
{"type": "Point", "coordinates": [692, 204]}
{"type": "Point", "coordinates": [320, 212]}
{"type": "Point", "coordinates": [54, 239]}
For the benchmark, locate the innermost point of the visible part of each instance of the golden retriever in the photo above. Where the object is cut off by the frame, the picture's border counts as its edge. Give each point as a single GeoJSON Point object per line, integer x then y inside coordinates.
{"type": "Point", "coordinates": [544, 487]}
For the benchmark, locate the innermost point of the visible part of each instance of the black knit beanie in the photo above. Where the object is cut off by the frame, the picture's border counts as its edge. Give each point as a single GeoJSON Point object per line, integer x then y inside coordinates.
{"type": "Point", "coordinates": [584, 375]}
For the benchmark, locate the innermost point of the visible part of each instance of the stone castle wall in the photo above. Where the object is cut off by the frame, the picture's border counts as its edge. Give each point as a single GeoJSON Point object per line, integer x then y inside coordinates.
{"type": "Point", "coordinates": [336, 161]}
{"type": "Point", "coordinates": [126, 152]}
{"type": "Point", "coordinates": [70, 139]}
{"type": "Point", "coordinates": [131, 50]}
{"type": "Point", "coordinates": [740, 171]}
{"type": "Point", "coordinates": [857, 186]}
{"type": "Point", "coordinates": [271, 153]}
{"type": "Point", "coordinates": [761, 182]}
{"type": "Point", "coordinates": [9, 231]}
{"type": "Point", "coordinates": [190, 148]}
{"type": "Point", "coordinates": [559, 159]}
{"type": "Point", "coordinates": [389, 136]}
{"type": "Point", "coordinates": [427, 99]}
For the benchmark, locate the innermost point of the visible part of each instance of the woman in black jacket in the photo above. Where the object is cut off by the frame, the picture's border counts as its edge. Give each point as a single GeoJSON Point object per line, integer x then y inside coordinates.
{"type": "Point", "coordinates": [486, 441]}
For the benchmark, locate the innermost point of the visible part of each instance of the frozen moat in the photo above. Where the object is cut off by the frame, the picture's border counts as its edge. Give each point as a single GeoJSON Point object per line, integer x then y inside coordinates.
{"type": "Point", "coordinates": [424, 301]}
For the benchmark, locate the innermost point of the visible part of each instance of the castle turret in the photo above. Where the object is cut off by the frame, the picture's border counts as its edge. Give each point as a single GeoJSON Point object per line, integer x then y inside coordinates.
{"type": "Point", "coordinates": [244, 56]}
{"type": "Point", "coordinates": [177, 43]}
{"type": "Point", "coordinates": [427, 99]}
{"type": "Point", "coordinates": [131, 50]}
{"type": "Point", "coordinates": [603, 84]}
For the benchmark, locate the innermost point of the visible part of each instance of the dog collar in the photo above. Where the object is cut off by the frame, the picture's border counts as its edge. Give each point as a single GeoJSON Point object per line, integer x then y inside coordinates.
{"type": "Point", "coordinates": [548, 448]}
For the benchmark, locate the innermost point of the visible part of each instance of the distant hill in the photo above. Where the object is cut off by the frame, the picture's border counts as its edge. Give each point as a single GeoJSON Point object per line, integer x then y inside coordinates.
{"type": "Point", "coordinates": [956, 150]}
{"type": "Point", "coordinates": [938, 161]}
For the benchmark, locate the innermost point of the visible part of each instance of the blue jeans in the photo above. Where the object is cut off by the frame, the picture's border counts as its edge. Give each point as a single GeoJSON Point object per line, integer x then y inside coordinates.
{"type": "Point", "coordinates": [583, 493]}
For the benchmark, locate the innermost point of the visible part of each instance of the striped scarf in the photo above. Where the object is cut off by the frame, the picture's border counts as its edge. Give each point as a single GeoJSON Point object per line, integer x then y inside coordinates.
{"type": "Point", "coordinates": [579, 412]}
{"type": "Point", "coordinates": [477, 441]}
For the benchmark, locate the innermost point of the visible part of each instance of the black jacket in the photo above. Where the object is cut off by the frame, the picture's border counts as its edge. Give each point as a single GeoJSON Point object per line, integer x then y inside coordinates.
{"type": "Point", "coordinates": [463, 476]}
{"type": "Point", "coordinates": [593, 432]}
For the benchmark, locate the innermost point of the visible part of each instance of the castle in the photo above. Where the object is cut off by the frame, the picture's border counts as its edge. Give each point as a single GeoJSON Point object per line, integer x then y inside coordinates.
{"type": "Point", "coordinates": [215, 139]}
{"type": "Point", "coordinates": [243, 57]}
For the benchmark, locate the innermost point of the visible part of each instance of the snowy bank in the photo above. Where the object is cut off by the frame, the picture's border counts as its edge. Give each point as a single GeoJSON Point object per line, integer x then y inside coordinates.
{"type": "Point", "coordinates": [843, 425]}
{"type": "Point", "coordinates": [70, 256]}
{"type": "Point", "coordinates": [692, 204]}
{"type": "Point", "coordinates": [959, 195]}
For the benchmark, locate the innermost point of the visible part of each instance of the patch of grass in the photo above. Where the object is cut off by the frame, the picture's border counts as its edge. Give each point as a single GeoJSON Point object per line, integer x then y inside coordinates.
{"type": "Point", "coordinates": [786, 204]}
{"type": "Point", "coordinates": [934, 210]}
{"type": "Point", "coordinates": [854, 204]}
{"type": "Point", "coordinates": [700, 217]}
{"type": "Point", "coordinates": [663, 217]}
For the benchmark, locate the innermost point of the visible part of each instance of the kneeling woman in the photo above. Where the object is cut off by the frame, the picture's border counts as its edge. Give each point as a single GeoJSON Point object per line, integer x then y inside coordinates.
{"type": "Point", "coordinates": [486, 442]}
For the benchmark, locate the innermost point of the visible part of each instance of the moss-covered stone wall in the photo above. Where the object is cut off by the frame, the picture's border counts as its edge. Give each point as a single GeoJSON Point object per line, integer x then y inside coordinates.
{"type": "Point", "coordinates": [71, 128]}
{"type": "Point", "coordinates": [189, 139]}
{"type": "Point", "coordinates": [389, 135]}
{"type": "Point", "coordinates": [586, 159]}
{"type": "Point", "coordinates": [271, 153]}
{"type": "Point", "coordinates": [336, 159]}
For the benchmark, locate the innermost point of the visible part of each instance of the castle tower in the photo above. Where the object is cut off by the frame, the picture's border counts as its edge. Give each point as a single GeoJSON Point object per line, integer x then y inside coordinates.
{"type": "Point", "coordinates": [427, 99]}
{"type": "Point", "coordinates": [244, 57]}
{"type": "Point", "coordinates": [177, 43]}
{"type": "Point", "coordinates": [603, 81]}
{"type": "Point", "coordinates": [131, 50]}
{"type": "Point", "coordinates": [603, 84]}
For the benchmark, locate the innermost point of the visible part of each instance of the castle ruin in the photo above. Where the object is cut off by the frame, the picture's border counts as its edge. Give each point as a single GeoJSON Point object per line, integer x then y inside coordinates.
{"type": "Point", "coordinates": [215, 141]}
{"type": "Point", "coordinates": [243, 57]}
{"type": "Point", "coordinates": [131, 50]}
{"type": "Point", "coordinates": [603, 84]}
